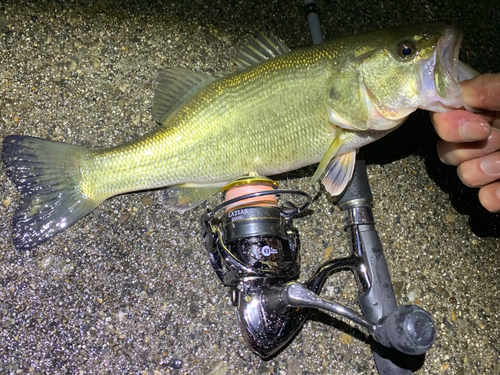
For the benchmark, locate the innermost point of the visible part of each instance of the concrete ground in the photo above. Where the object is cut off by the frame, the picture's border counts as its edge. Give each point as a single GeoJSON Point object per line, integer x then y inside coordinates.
{"type": "Point", "coordinates": [129, 289]}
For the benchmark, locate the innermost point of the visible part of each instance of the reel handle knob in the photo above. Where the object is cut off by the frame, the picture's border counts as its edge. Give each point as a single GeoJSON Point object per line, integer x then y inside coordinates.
{"type": "Point", "coordinates": [409, 329]}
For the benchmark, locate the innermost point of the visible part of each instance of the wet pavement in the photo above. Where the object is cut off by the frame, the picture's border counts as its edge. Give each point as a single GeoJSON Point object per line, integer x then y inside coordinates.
{"type": "Point", "coordinates": [129, 289]}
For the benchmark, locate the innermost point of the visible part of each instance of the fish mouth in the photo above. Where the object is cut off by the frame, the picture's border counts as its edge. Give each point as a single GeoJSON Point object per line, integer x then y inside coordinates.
{"type": "Point", "coordinates": [446, 69]}
{"type": "Point", "coordinates": [443, 72]}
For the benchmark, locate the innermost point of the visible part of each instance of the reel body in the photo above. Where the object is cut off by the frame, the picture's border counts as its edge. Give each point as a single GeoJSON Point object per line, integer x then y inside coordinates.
{"type": "Point", "coordinates": [255, 251]}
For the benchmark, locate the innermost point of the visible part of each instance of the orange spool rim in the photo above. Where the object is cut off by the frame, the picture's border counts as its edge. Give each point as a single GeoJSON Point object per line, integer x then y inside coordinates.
{"type": "Point", "coordinates": [250, 180]}
{"type": "Point", "coordinates": [248, 185]}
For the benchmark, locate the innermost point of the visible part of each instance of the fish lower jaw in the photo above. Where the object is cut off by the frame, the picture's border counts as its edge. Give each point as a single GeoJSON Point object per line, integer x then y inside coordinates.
{"type": "Point", "coordinates": [435, 103]}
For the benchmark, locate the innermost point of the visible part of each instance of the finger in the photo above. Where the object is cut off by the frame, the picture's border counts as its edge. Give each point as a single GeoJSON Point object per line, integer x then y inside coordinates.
{"type": "Point", "coordinates": [483, 92]}
{"type": "Point", "coordinates": [481, 171]}
{"type": "Point", "coordinates": [457, 153]}
{"type": "Point", "coordinates": [489, 196]}
{"type": "Point", "coordinates": [460, 126]}
{"type": "Point", "coordinates": [492, 117]}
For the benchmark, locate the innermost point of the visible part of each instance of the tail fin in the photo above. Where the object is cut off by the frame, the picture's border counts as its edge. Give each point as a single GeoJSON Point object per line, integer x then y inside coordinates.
{"type": "Point", "coordinates": [47, 176]}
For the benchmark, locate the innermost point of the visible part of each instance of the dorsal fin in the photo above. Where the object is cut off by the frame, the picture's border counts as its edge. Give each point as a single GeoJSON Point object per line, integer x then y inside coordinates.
{"type": "Point", "coordinates": [174, 87]}
{"type": "Point", "coordinates": [260, 49]}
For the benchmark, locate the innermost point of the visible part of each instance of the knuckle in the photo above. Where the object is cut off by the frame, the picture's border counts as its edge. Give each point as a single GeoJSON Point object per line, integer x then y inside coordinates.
{"type": "Point", "coordinates": [467, 175]}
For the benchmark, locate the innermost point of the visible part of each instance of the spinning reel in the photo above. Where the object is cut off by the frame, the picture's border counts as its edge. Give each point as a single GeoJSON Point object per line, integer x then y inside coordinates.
{"type": "Point", "coordinates": [254, 250]}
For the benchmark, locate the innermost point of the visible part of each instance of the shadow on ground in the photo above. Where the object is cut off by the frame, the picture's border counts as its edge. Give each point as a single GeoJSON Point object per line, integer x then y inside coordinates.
{"type": "Point", "coordinates": [413, 363]}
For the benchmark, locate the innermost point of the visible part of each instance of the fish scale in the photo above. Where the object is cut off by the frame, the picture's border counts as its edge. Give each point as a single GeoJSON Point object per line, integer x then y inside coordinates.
{"type": "Point", "coordinates": [236, 139]}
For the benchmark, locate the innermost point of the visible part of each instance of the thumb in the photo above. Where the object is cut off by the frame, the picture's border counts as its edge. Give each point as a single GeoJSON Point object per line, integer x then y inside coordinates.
{"type": "Point", "coordinates": [483, 92]}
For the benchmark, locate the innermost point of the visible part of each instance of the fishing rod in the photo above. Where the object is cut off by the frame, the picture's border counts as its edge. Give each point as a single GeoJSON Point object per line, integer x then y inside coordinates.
{"type": "Point", "coordinates": [254, 249]}
{"type": "Point", "coordinates": [375, 302]}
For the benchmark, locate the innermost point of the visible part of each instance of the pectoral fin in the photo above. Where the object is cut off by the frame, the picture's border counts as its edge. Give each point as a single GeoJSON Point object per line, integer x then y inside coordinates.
{"type": "Point", "coordinates": [334, 148]}
{"type": "Point", "coordinates": [183, 197]}
{"type": "Point", "coordinates": [339, 173]}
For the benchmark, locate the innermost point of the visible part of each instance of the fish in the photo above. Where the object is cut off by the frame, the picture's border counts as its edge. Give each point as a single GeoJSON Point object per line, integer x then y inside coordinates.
{"type": "Point", "coordinates": [279, 111]}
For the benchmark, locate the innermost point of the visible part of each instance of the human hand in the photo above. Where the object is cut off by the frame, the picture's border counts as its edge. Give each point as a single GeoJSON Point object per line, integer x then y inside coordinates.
{"type": "Point", "coordinates": [472, 141]}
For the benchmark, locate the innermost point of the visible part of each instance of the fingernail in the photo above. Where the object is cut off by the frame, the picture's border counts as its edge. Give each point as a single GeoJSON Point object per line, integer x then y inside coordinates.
{"type": "Point", "coordinates": [475, 130]}
{"type": "Point", "coordinates": [491, 165]}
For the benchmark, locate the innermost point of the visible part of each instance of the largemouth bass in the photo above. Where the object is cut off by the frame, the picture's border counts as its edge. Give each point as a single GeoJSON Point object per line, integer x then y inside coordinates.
{"type": "Point", "coordinates": [281, 111]}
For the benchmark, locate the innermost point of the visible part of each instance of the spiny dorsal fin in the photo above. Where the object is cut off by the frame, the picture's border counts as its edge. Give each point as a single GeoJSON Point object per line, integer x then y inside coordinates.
{"type": "Point", "coordinates": [259, 50]}
{"type": "Point", "coordinates": [174, 87]}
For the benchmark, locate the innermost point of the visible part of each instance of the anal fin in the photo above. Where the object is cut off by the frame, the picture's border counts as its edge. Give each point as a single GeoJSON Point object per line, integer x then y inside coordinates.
{"type": "Point", "coordinates": [184, 197]}
{"type": "Point", "coordinates": [339, 173]}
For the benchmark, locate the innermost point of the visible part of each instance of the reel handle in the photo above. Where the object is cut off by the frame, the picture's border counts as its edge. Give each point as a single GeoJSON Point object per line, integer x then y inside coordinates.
{"type": "Point", "coordinates": [409, 329]}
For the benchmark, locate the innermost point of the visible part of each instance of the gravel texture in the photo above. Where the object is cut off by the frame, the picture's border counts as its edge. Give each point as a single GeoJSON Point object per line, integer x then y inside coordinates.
{"type": "Point", "coordinates": [129, 289]}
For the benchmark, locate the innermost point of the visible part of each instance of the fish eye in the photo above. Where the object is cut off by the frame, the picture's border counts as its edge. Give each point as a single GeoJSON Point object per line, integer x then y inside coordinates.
{"type": "Point", "coordinates": [406, 50]}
